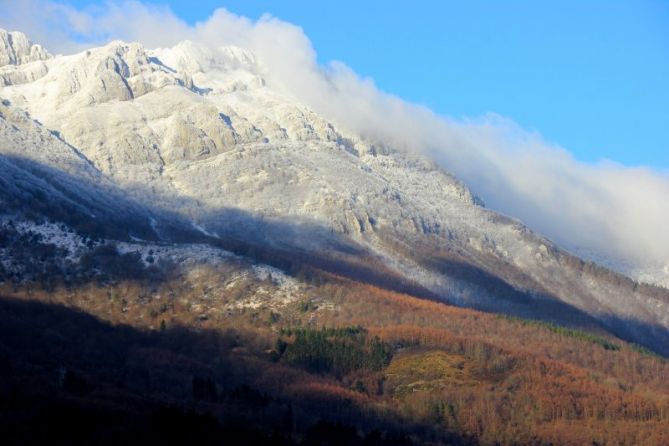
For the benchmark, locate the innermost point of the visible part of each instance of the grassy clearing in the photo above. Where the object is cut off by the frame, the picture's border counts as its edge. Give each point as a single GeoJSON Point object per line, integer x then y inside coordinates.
{"type": "Point", "coordinates": [427, 371]}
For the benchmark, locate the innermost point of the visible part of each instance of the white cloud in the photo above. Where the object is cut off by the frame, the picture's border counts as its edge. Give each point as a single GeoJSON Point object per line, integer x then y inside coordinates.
{"type": "Point", "coordinates": [609, 210]}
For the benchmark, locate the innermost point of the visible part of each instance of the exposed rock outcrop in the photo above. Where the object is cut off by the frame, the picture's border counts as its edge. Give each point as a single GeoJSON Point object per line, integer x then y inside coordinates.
{"type": "Point", "coordinates": [17, 49]}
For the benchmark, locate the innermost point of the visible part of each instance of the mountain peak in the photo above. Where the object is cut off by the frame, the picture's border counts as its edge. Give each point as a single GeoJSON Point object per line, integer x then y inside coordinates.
{"type": "Point", "coordinates": [192, 57]}
{"type": "Point", "coordinates": [17, 49]}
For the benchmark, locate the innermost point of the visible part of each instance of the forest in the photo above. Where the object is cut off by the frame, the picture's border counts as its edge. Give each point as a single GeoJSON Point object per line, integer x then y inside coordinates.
{"type": "Point", "coordinates": [140, 360]}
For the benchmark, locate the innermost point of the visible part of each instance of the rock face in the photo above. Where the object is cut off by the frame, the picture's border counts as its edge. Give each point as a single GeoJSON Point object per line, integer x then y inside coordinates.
{"type": "Point", "coordinates": [42, 175]}
{"type": "Point", "coordinates": [17, 49]}
{"type": "Point", "coordinates": [197, 132]}
{"type": "Point", "coordinates": [20, 60]}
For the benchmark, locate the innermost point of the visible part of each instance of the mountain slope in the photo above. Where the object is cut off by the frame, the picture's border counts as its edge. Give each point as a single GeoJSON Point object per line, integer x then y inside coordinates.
{"type": "Point", "coordinates": [146, 359]}
{"type": "Point", "coordinates": [197, 133]}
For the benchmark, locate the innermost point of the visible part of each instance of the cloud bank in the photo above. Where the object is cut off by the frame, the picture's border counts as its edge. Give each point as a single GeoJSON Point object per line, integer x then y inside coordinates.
{"type": "Point", "coordinates": [607, 212]}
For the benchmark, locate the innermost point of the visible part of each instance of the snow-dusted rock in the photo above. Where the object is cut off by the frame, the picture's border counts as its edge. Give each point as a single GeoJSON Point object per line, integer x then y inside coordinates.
{"type": "Point", "coordinates": [17, 49]}
{"type": "Point", "coordinates": [197, 131]}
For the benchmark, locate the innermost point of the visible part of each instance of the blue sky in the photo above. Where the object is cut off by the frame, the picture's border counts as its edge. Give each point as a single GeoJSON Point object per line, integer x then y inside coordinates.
{"type": "Point", "coordinates": [590, 76]}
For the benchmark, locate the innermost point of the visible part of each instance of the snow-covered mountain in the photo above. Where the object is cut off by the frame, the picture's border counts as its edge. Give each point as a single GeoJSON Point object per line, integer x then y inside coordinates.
{"type": "Point", "coordinates": [192, 140]}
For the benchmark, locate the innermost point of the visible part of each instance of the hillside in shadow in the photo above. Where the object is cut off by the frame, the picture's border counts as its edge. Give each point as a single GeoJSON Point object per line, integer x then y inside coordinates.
{"type": "Point", "coordinates": [304, 248]}
{"type": "Point", "coordinates": [69, 378]}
